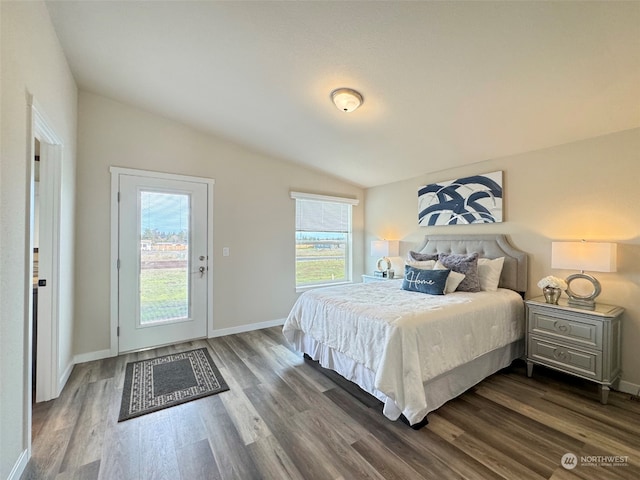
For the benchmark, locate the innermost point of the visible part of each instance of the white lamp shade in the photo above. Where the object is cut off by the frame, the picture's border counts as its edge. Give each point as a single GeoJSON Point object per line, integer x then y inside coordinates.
{"type": "Point", "coordinates": [587, 256]}
{"type": "Point", "coordinates": [385, 248]}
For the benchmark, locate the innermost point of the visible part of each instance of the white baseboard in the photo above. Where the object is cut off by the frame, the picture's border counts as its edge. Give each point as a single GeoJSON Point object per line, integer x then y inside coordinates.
{"type": "Point", "coordinates": [62, 381]}
{"type": "Point", "coordinates": [91, 356]}
{"type": "Point", "coordinates": [245, 328]}
{"type": "Point", "coordinates": [18, 468]}
{"type": "Point", "coordinates": [628, 387]}
{"type": "Point", "coordinates": [100, 354]}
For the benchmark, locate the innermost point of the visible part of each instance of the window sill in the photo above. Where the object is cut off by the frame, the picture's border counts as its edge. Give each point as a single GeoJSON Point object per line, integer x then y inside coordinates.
{"type": "Point", "coordinates": [322, 285]}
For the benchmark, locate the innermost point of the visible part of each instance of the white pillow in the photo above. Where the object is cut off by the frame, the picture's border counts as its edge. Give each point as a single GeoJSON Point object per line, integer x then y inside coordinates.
{"type": "Point", "coordinates": [422, 265]}
{"type": "Point", "coordinates": [453, 280]}
{"type": "Point", "coordinates": [489, 271]}
{"type": "Point", "coordinates": [425, 263]}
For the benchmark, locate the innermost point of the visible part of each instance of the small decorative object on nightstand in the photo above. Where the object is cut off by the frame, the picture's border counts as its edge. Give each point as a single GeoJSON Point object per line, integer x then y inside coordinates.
{"type": "Point", "coordinates": [584, 343]}
{"type": "Point", "coordinates": [552, 288]}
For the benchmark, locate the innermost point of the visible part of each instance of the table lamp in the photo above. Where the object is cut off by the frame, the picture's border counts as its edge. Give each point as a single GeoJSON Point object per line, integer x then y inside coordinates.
{"type": "Point", "coordinates": [590, 256]}
{"type": "Point", "coordinates": [384, 249]}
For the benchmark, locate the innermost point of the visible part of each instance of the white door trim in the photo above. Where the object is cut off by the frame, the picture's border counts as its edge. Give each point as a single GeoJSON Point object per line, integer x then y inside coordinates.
{"type": "Point", "coordinates": [49, 382]}
{"type": "Point", "coordinates": [115, 173]}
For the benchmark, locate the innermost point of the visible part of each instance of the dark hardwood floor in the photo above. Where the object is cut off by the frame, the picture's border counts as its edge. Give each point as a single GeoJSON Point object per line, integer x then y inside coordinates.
{"type": "Point", "coordinates": [282, 419]}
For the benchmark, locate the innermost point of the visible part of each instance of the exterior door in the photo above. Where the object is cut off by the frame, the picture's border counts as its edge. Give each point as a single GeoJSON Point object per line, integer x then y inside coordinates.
{"type": "Point", "coordinates": [162, 261]}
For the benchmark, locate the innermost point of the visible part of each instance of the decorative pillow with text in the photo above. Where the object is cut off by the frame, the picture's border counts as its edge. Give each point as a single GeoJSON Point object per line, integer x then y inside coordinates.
{"type": "Point", "coordinates": [432, 282]}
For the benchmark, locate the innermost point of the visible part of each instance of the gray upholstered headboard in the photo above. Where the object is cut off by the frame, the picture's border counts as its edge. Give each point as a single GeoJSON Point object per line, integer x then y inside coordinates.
{"type": "Point", "coordinates": [514, 272]}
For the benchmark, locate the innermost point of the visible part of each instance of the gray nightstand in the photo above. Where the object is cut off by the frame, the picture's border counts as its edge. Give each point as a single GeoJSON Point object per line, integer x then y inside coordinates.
{"type": "Point", "coordinates": [584, 343]}
{"type": "Point", "coordinates": [373, 278]}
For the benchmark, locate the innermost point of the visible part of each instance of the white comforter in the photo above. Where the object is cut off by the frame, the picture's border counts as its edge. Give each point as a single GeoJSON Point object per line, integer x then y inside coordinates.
{"type": "Point", "coordinates": [406, 338]}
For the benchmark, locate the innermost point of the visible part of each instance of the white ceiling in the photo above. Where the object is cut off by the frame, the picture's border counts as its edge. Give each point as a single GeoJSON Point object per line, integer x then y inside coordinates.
{"type": "Point", "coordinates": [444, 83]}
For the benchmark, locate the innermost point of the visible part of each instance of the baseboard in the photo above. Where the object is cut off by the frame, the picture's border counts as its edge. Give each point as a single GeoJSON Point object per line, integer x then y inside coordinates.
{"type": "Point", "coordinates": [91, 356]}
{"type": "Point", "coordinates": [628, 387]}
{"type": "Point", "coordinates": [19, 467]}
{"type": "Point", "coordinates": [246, 328]}
{"type": "Point", "coordinates": [100, 354]}
{"type": "Point", "coordinates": [62, 381]}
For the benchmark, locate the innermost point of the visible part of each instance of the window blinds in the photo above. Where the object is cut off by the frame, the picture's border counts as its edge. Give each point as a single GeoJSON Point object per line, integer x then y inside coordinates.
{"type": "Point", "coordinates": [320, 216]}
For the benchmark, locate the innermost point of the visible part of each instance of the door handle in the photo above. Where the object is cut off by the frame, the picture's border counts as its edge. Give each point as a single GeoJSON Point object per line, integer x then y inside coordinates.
{"type": "Point", "coordinates": [201, 271]}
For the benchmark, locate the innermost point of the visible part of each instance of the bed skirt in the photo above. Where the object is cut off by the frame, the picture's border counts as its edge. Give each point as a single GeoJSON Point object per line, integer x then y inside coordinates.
{"type": "Point", "coordinates": [438, 390]}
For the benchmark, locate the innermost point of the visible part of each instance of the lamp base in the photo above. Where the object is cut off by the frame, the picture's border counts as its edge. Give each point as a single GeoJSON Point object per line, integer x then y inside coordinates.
{"type": "Point", "coordinates": [384, 273]}
{"type": "Point", "coordinates": [586, 302]}
{"type": "Point", "coordinates": [384, 264]}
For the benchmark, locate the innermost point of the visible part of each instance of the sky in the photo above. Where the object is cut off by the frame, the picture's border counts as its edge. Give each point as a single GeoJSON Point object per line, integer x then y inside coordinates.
{"type": "Point", "coordinates": [164, 212]}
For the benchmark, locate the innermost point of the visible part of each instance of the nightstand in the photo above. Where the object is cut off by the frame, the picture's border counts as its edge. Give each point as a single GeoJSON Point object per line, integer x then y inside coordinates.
{"type": "Point", "coordinates": [584, 343]}
{"type": "Point", "coordinates": [373, 278]}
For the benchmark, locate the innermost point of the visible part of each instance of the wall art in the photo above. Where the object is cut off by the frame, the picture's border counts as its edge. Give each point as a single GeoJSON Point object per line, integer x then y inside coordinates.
{"type": "Point", "coordinates": [466, 200]}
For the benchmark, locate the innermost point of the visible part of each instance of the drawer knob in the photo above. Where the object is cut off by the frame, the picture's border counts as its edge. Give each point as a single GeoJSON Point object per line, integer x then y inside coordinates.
{"type": "Point", "coordinates": [560, 354]}
{"type": "Point", "coordinates": [561, 327]}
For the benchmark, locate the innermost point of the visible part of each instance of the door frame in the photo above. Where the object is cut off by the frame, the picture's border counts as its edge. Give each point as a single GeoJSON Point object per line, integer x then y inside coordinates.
{"type": "Point", "coordinates": [115, 176]}
{"type": "Point", "coordinates": [48, 380]}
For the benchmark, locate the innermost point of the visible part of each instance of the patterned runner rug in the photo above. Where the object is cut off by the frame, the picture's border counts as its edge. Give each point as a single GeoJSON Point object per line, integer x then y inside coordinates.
{"type": "Point", "coordinates": [162, 382]}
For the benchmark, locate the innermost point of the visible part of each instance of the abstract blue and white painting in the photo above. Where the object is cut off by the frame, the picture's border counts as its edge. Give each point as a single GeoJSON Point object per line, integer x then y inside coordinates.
{"type": "Point", "coordinates": [466, 200]}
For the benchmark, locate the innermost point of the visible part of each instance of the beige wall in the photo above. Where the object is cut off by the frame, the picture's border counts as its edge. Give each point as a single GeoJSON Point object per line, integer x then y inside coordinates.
{"type": "Point", "coordinates": [253, 213]}
{"type": "Point", "coordinates": [584, 190]}
{"type": "Point", "coordinates": [32, 62]}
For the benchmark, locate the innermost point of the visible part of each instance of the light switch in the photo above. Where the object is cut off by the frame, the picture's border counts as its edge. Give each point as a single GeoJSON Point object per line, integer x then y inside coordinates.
{"type": "Point", "coordinates": [225, 251]}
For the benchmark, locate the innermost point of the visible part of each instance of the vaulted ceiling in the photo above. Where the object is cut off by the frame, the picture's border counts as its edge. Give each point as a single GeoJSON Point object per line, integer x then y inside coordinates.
{"type": "Point", "coordinates": [444, 83]}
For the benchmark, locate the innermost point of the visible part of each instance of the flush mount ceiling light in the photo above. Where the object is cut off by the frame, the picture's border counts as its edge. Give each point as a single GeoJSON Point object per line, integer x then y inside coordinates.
{"type": "Point", "coordinates": [346, 99]}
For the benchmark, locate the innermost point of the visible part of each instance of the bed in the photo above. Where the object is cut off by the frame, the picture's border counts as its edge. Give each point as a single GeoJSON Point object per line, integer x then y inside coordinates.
{"type": "Point", "coordinates": [414, 351]}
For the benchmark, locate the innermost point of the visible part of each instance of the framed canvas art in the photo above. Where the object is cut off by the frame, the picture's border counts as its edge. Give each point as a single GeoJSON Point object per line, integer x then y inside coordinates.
{"type": "Point", "coordinates": [474, 199]}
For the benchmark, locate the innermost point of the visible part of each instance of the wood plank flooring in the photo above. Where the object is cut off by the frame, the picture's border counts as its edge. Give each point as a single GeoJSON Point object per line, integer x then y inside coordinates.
{"type": "Point", "coordinates": [283, 419]}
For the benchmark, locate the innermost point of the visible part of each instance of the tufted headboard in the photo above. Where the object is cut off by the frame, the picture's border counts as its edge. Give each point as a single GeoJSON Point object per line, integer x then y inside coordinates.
{"type": "Point", "coordinates": [514, 272]}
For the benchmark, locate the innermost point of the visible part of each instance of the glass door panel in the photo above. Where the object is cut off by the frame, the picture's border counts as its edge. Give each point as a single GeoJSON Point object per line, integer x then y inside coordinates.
{"type": "Point", "coordinates": [164, 257]}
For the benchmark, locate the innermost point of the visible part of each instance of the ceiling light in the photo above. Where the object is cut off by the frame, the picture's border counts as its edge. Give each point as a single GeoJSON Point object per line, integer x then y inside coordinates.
{"type": "Point", "coordinates": [346, 99]}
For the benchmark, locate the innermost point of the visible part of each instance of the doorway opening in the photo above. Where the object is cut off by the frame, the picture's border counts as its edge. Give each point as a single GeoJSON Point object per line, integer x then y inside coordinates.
{"type": "Point", "coordinates": [44, 373]}
{"type": "Point", "coordinates": [161, 258]}
{"type": "Point", "coordinates": [34, 269]}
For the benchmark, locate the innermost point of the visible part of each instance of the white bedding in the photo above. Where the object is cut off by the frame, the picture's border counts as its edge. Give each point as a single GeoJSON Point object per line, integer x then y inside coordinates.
{"type": "Point", "coordinates": [406, 338]}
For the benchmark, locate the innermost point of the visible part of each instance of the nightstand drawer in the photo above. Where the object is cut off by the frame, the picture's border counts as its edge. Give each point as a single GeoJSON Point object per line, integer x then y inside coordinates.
{"type": "Point", "coordinates": [565, 328]}
{"type": "Point", "coordinates": [586, 364]}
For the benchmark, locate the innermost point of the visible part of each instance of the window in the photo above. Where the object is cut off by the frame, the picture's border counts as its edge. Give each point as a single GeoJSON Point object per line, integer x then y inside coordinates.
{"type": "Point", "coordinates": [323, 239]}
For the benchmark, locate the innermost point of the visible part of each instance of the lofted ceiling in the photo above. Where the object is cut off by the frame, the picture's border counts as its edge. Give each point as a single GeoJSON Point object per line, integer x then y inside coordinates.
{"type": "Point", "coordinates": [444, 83]}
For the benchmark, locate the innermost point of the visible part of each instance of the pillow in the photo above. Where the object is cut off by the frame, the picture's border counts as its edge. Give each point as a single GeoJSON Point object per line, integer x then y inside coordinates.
{"type": "Point", "coordinates": [424, 261]}
{"type": "Point", "coordinates": [424, 281]}
{"type": "Point", "coordinates": [426, 265]}
{"type": "Point", "coordinates": [467, 264]}
{"type": "Point", "coordinates": [421, 257]}
{"type": "Point", "coordinates": [489, 271]}
{"type": "Point", "coordinates": [453, 280]}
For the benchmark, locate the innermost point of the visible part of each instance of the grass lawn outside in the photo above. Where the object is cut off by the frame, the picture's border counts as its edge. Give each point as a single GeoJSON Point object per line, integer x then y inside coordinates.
{"type": "Point", "coordinates": [163, 294]}
{"type": "Point", "coordinates": [321, 270]}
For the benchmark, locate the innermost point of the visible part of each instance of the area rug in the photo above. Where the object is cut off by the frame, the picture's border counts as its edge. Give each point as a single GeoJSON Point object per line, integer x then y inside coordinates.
{"type": "Point", "coordinates": [162, 382]}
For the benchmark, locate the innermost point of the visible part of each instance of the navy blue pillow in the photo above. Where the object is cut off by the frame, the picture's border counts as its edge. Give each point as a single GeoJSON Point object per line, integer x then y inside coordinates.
{"type": "Point", "coordinates": [424, 281]}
